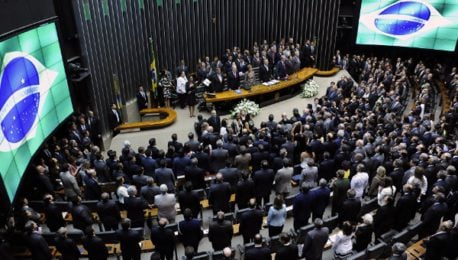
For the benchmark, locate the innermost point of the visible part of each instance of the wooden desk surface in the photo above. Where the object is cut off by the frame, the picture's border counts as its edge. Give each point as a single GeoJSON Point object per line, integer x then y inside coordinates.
{"type": "Point", "coordinates": [416, 250]}
{"type": "Point", "coordinates": [293, 79]}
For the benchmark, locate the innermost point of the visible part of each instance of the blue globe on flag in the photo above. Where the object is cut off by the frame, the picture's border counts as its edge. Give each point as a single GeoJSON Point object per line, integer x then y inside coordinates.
{"type": "Point", "coordinates": [24, 85]}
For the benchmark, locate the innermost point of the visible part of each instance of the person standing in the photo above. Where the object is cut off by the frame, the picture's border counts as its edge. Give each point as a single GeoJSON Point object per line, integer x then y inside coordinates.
{"type": "Point", "coordinates": [114, 118]}
{"type": "Point", "coordinates": [166, 86]}
{"type": "Point", "coordinates": [189, 230]}
{"type": "Point", "coordinates": [108, 212]}
{"type": "Point", "coordinates": [36, 243]}
{"type": "Point", "coordinates": [165, 203]}
{"type": "Point", "coordinates": [129, 240]}
{"type": "Point", "coordinates": [287, 250]}
{"type": "Point", "coordinates": [142, 99]}
{"type": "Point", "coordinates": [220, 232]}
{"type": "Point", "coordinates": [163, 239]}
{"type": "Point", "coordinates": [181, 88]}
{"type": "Point", "coordinates": [191, 96]}
{"type": "Point", "coordinates": [276, 216]}
{"type": "Point", "coordinates": [250, 222]}
{"type": "Point", "coordinates": [66, 246]}
{"type": "Point", "coordinates": [302, 207]}
{"type": "Point", "coordinates": [342, 244]}
{"type": "Point", "coordinates": [315, 241]}
{"type": "Point", "coordinates": [96, 249]}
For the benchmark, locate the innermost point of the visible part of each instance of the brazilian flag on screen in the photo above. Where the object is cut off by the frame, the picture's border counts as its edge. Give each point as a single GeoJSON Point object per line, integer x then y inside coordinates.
{"type": "Point", "coordinates": [34, 98]}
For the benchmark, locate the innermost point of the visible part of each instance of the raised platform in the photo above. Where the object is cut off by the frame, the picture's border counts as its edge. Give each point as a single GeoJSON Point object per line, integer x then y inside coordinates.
{"type": "Point", "coordinates": [171, 116]}
{"type": "Point", "coordinates": [327, 73]}
{"type": "Point", "coordinates": [260, 89]}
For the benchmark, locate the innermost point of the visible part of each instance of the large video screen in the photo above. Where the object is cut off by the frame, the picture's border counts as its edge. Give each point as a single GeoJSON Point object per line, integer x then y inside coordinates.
{"type": "Point", "coordinates": [34, 98]}
{"type": "Point", "coordinates": [430, 24]}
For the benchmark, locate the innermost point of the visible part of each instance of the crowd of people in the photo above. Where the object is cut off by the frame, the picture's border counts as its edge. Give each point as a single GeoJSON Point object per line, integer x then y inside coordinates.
{"type": "Point", "coordinates": [359, 141]}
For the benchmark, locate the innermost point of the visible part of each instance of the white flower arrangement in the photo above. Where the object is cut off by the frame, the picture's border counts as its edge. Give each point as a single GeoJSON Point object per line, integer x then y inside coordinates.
{"type": "Point", "coordinates": [310, 89]}
{"type": "Point", "coordinates": [246, 106]}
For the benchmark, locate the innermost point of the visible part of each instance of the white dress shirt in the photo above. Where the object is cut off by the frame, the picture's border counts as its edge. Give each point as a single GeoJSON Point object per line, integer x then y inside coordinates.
{"type": "Point", "coordinates": [181, 85]}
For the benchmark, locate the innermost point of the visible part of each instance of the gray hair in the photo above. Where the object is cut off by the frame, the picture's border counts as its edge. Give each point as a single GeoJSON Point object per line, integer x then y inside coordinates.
{"type": "Point", "coordinates": [132, 190]}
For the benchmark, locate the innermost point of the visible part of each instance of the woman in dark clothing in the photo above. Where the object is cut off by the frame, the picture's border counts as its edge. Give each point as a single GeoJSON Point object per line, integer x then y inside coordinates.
{"type": "Point", "coordinates": [363, 233]}
{"type": "Point", "coordinates": [191, 95]}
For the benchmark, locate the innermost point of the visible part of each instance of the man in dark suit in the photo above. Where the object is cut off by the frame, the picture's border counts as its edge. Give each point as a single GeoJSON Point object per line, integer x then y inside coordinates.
{"type": "Point", "coordinates": [259, 251]}
{"type": "Point", "coordinates": [54, 219]}
{"type": "Point", "coordinates": [320, 195]}
{"type": "Point", "coordinates": [164, 175]}
{"type": "Point", "coordinates": [182, 68]}
{"type": "Point", "coordinates": [250, 222]}
{"type": "Point", "coordinates": [114, 117]}
{"type": "Point", "coordinates": [350, 208]}
{"type": "Point", "coordinates": [43, 182]}
{"type": "Point", "coordinates": [95, 128]}
{"type": "Point", "coordinates": [220, 232]}
{"type": "Point", "coordinates": [219, 195]}
{"type": "Point", "coordinates": [315, 241]}
{"type": "Point", "coordinates": [81, 214]}
{"type": "Point", "coordinates": [432, 216]}
{"type": "Point", "coordinates": [302, 207]}
{"type": "Point", "coordinates": [214, 121]}
{"type": "Point", "coordinates": [244, 191]}
{"type": "Point", "coordinates": [177, 145]}
{"type": "Point", "coordinates": [287, 250]}
{"type": "Point", "coordinates": [129, 240]}
{"type": "Point", "coordinates": [233, 78]}
{"type": "Point", "coordinates": [92, 190]}
{"type": "Point", "coordinates": [192, 143]}
{"type": "Point", "coordinates": [140, 179]}
{"type": "Point", "coordinates": [263, 180]}
{"type": "Point", "coordinates": [327, 167]}
{"type": "Point", "coordinates": [66, 246]}
{"type": "Point", "coordinates": [134, 207]}
{"type": "Point", "coordinates": [163, 239]}
{"type": "Point", "coordinates": [94, 245]}
{"type": "Point", "coordinates": [150, 190]}
{"type": "Point", "coordinates": [188, 199]}
{"type": "Point", "coordinates": [142, 99]}
{"type": "Point", "coordinates": [36, 243]}
{"type": "Point", "coordinates": [265, 73]}
{"type": "Point", "coordinates": [339, 189]}
{"type": "Point", "coordinates": [218, 157]}
{"type": "Point", "coordinates": [108, 212]}
{"type": "Point", "coordinates": [195, 175]}
{"type": "Point", "coordinates": [189, 230]}
{"type": "Point", "coordinates": [406, 208]}
{"type": "Point", "coordinates": [149, 164]}
{"type": "Point", "coordinates": [437, 243]}
{"type": "Point", "coordinates": [217, 81]}
{"type": "Point", "coordinates": [230, 174]}
{"type": "Point", "coordinates": [281, 68]}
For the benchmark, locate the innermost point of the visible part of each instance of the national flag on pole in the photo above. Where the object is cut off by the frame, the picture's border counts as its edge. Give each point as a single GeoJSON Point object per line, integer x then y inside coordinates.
{"type": "Point", "coordinates": [153, 70]}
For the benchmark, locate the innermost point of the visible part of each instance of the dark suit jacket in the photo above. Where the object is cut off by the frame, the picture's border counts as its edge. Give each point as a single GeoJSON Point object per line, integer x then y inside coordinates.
{"type": "Point", "coordinates": [258, 253]}
{"type": "Point", "coordinates": [281, 70]}
{"type": "Point", "coordinates": [135, 207]}
{"type": "Point", "coordinates": [363, 236]}
{"type": "Point", "coordinates": [314, 243]}
{"type": "Point", "coordinates": [81, 217]}
{"type": "Point", "coordinates": [436, 245]}
{"type": "Point", "coordinates": [350, 210]}
{"type": "Point", "coordinates": [95, 248]}
{"type": "Point", "coordinates": [149, 165]}
{"type": "Point", "coordinates": [244, 192]}
{"type": "Point", "coordinates": [196, 176]}
{"type": "Point", "coordinates": [220, 234]}
{"type": "Point", "coordinates": [250, 222]}
{"type": "Point", "coordinates": [320, 200]}
{"type": "Point", "coordinates": [129, 240]}
{"type": "Point", "coordinates": [406, 209]}
{"type": "Point", "coordinates": [54, 218]}
{"type": "Point", "coordinates": [233, 81]}
{"type": "Point", "coordinates": [383, 220]}
{"type": "Point", "coordinates": [68, 248]}
{"type": "Point", "coordinates": [113, 120]}
{"type": "Point", "coordinates": [218, 159]}
{"type": "Point", "coordinates": [263, 179]}
{"type": "Point", "coordinates": [219, 196]}
{"type": "Point", "coordinates": [265, 74]}
{"type": "Point", "coordinates": [108, 213]}
{"type": "Point", "coordinates": [217, 85]}
{"type": "Point", "coordinates": [302, 207]}
{"type": "Point", "coordinates": [92, 190]}
{"type": "Point", "coordinates": [190, 232]}
{"type": "Point", "coordinates": [38, 246]}
{"type": "Point", "coordinates": [431, 218]}
{"type": "Point", "coordinates": [289, 252]}
{"type": "Point", "coordinates": [148, 193]}
{"type": "Point", "coordinates": [163, 240]}
{"type": "Point", "coordinates": [327, 169]}
{"type": "Point", "coordinates": [142, 101]}
{"type": "Point", "coordinates": [230, 175]}
{"type": "Point", "coordinates": [165, 176]}
{"type": "Point", "coordinates": [189, 200]}
{"type": "Point", "coordinates": [215, 122]}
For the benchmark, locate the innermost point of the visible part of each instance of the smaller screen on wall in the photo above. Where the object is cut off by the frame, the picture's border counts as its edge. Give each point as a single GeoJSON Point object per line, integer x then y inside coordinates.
{"type": "Point", "coordinates": [431, 24]}
{"type": "Point", "coordinates": [34, 98]}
